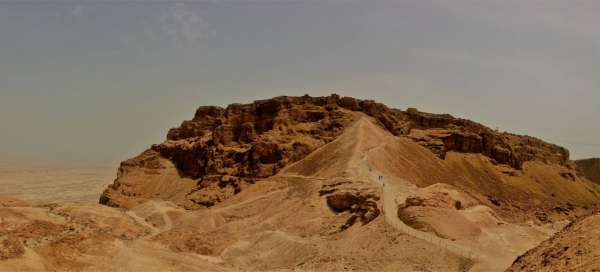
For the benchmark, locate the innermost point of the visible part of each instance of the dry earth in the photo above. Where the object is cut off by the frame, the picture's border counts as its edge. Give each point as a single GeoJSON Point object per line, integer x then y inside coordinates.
{"type": "Point", "coordinates": [576, 248]}
{"type": "Point", "coordinates": [301, 184]}
{"type": "Point", "coordinates": [44, 183]}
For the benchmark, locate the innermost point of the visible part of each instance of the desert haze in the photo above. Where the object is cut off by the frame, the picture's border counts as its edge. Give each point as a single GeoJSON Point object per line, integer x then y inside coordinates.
{"type": "Point", "coordinates": [310, 184]}
{"type": "Point", "coordinates": [299, 135]}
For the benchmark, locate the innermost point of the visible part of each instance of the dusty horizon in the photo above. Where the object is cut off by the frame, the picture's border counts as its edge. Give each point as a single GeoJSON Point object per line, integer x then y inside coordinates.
{"type": "Point", "coordinates": [310, 184]}
{"type": "Point", "coordinates": [578, 150]}
{"type": "Point", "coordinates": [299, 135]}
{"type": "Point", "coordinates": [95, 83]}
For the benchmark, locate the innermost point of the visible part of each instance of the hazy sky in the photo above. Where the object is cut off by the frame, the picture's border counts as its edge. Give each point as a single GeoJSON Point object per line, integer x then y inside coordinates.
{"type": "Point", "coordinates": [98, 81]}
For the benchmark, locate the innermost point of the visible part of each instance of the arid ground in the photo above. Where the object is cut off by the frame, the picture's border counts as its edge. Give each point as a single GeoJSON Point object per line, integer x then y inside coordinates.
{"type": "Point", "coordinates": [305, 184]}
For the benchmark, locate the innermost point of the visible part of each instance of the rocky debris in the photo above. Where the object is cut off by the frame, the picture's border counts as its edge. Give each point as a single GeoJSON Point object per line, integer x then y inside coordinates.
{"type": "Point", "coordinates": [255, 141]}
{"type": "Point", "coordinates": [213, 189]}
{"type": "Point", "coordinates": [542, 216]}
{"type": "Point", "coordinates": [510, 172]}
{"type": "Point", "coordinates": [436, 199]}
{"type": "Point", "coordinates": [361, 207]}
{"type": "Point", "coordinates": [195, 241]}
{"type": "Point", "coordinates": [414, 201]}
{"type": "Point", "coordinates": [589, 168]}
{"type": "Point", "coordinates": [63, 237]}
{"type": "Point", "coordinates": [575, 248]}
{"type": "Point", "coordinates": [30, 233]}
{"type": "Point", "coordinates": [568, 175]}
{"type": "Point", "coordinates": [494, 201]}
{"type": "Point", "coordinates": [10, 248]}
{"type": "Point", "coordinates": [565, 209]}
{"type": "Point", "coordinates": [562, 211]}
{"type": "Point", "coordinates": [334, 186]}
{"type": "Point", "coordinates": [559, 209]}
{"type": "Point", "coordinates": [353, 198]}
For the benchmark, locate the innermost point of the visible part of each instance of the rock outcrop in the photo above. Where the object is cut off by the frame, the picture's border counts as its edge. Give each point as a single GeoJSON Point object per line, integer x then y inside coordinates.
{"type": "Point", "coordinates": [10, 248]}
{"type": "Point", "coordinates": [589, 168]}
{"type": "Point", "coordinates": [442, 133]}
{"type": "Point", "coordinates": [226, 149]}
{"type": "Point", "coordinates": [223, 150]}
{"type": "Point", "coordinates": [575, 248]}
{"type": "Point", "coordinates": [361, 207]}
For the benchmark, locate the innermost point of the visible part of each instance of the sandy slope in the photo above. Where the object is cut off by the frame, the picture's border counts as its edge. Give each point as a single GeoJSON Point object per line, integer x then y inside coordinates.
{"type": "Point", "coordinates": [575, 248]}
{"type": "Point", "coordinates": [359, 156]}
{"type": "Point", "coordinates": [279, 224]}
{"type": "Point", "coordinates": [283, 223]}
{"type": "Point", "coordinates": [484, 248]}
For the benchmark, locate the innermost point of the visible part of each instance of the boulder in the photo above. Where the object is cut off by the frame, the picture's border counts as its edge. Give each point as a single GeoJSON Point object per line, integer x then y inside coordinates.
{"type": "Point", "coordinates": [363, 208]}
{"type": "Point", "coordinates": [342, 202]}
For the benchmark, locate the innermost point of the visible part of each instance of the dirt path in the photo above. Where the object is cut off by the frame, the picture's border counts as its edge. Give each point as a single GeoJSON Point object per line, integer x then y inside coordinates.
{"type": "Point", "coordinates": [401, 189]}
{"type": "Point", "coordinates": [366, 138]}
{"type": "Point", "coordinates": [395, 189]}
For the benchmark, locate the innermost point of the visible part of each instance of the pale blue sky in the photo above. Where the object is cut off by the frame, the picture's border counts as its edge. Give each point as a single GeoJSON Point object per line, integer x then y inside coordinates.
{"type": "Point", "coordinates": [98, 81]}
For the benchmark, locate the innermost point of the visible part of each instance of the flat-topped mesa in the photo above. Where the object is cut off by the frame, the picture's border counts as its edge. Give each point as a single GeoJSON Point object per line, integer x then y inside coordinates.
{"type": "Point", "coordinates": [223, 150]}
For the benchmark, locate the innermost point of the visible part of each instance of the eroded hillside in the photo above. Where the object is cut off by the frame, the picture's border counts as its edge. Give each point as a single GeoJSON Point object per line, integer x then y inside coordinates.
{"type": "Point", "coordinates": [575, 248]}
{"type": "Point", "coordinates": [478, 189]}
{"type": "Point", "coordinates": [222, 151]}
{"type": "Point", "coordinates": [312, 184]}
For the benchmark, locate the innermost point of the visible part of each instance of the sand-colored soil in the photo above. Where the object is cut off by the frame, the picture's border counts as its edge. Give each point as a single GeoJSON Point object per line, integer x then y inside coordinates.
{"type": "Point", "coordinates": [44, 184]}
{"type": "Point", "coordinates": [279, 224]}
{"type": "Point", "coordinates": [575, 248]}
{"type": "Point", "coordinates": [284, 223]}
{"type": "Point", "coordinates": [476, 232]}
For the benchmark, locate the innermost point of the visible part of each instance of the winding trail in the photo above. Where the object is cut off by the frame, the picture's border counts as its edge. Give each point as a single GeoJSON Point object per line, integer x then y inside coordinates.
{"type": "Point", "coordinates": [401, 189]}
{"type": "Point", "coordinates": [396, 189]}
{"type": "Point", "coordinates": [352, 155]}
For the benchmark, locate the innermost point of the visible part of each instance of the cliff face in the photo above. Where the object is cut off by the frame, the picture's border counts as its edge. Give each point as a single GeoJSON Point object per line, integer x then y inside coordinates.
{"type": "Point", "coordinates": [590, 168]}
{"type": "Point", "coordinates": [222, 151]}
{"type": "Point", "coordinates": [443, 133]}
